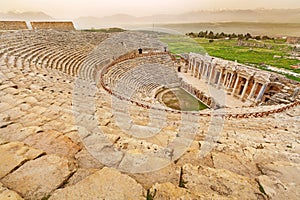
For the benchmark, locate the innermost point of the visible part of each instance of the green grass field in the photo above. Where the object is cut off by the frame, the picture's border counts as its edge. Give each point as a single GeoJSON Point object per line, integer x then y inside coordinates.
{"type": "Point", "coordinates": [229, 50]}
{"type": "Point", "coordinates": [104, 30]}
{"type": "Point", "coordinates": [179, 99]}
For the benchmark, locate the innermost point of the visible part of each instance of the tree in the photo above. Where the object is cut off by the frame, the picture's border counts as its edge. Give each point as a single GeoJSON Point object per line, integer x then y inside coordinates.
{"type": "Point", "coordinates": [222, 35]}
{"type": "Point", "coordinates": [205, 33]}
{"type": "Point", "coordinates": [240, 36]}
{"type": "Point", "coordinates": [210, 35]}
{"type": "Point", "coordinates": [257, 37]}
{"type": "Point", "coordinates": [191, 34]}
{"type": "Point", "coordinates": [248, 36]}
{"type": "Point", "coordinates": [201, 34]}
{"type": "Point", "coordinates": [265, 37]}
{"type": "Point", "coordinates": [233, 35]}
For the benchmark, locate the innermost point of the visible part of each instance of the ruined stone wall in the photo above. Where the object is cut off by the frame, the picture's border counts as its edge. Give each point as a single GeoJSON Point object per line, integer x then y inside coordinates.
{"type": "Point", "coordinates": [13, 25]}
{"type": "Point", "coordinates": [243, 82]}
{"type": "Point", "coordinates": [66, 26]}
{"type": "Point", "coordinates": [293, 40]}
{"type": "Point", "coordinates": [198, 93]}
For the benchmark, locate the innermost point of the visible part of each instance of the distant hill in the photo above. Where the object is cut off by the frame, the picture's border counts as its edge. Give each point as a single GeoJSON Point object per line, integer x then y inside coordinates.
{"type": "Point", "coordinates": [24, 16]}
{"type": "Point", "coordinates": [257, 15]}
{"type": "Point", "coordinates": [108, 21]}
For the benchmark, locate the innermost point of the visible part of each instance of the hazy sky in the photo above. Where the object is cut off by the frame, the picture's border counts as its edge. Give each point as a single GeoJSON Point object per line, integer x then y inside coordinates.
{"type": "Point", "coordinates": [76, 8]}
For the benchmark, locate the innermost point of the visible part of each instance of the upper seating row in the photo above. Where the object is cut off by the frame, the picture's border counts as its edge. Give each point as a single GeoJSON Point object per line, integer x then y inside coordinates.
{"type": "Point", "coordinates": [21, 25]}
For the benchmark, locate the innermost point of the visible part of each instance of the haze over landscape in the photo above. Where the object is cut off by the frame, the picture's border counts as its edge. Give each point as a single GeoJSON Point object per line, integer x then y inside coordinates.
{"type": "Point", "coordinates": [67, 9]}
{"type": "Point", "coordinates": [134, 14]}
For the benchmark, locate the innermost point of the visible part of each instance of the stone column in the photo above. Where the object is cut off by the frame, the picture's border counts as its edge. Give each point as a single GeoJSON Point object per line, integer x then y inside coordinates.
{"type": "Point", "coordinates": [199, 71]}
{"type": "Point", "coordinates": [206, 70]}
{"type": "Point", "coordinates": [236, 84]}
{"type": "Point", "coordinates": [254, 87]}
{"type": "Point", "coordinates": [261, 92]}
{"type": "Point", "coordinates": [194, 68]}
{"type": "Point", "coordinates": [191, 67]}
{"type": "Point", "coordinates": [245, 88]}
{"type": "Point", "coordinates": [225, 79]}
{"type": "Point", "coordinates": [211, 72]}
{"type": "Point", "coordinates": [230, 80]}
{"type": "Point", "coordinates": [220, 78]}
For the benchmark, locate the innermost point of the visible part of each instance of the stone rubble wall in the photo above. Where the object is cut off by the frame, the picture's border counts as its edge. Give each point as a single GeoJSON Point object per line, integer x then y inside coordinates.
{"type": "Point", "coordinates": [244, 82]}
{"type": "Point", "coordinates": [13, 25]}
{"type": "Point", "coordinates": [66, 26]}
{"type": "Point", "coordinates": [197, 93]}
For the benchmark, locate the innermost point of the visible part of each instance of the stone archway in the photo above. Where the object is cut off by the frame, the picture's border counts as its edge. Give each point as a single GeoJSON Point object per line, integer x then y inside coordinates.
{"type": "Point", "coordinates": [179, 69]}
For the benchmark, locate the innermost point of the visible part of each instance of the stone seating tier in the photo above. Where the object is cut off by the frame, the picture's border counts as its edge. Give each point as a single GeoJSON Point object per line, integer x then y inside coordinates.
{"type": "Point", "coordinates": [13, 25]}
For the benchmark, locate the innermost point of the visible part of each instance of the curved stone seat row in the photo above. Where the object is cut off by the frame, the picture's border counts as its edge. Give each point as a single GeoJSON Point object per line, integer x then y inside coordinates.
{"type": "Point", "coordinates": [254, 112]}
{"type": "Point", "coordinates": [49, 49]}
{"type": "Point", "coordinates": [75, 53]}
{"type": "Point", "coordinates": [141, 75]}
{"type": "Point", "coordinates": [52, 49]}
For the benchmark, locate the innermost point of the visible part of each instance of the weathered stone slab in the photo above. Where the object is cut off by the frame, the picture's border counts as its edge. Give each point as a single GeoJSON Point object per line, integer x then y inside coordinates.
{"type": "Point", "coordinates": [234, 163]}
{"type": "Point", "coordinates": [280, 180]}
{"type": "Point", "coordinates": [105, 184]}
{"type": "Point", "coordinates": [38, 178]}
{"type": "Point", "coordinates": [170, 173]}
{"type": "Point", "coordinates": [86, 160]}
{"type": "Point", "coordinates": [6, 194]}
{"type": "Point", "coordinates": [20, 133]}
{"type": "Point", "coordinates": [53, 142]}
{"type": "Point", "coordinates": [14, 154]}
{"type": "Point", "coordinates": [3, 141]}
{"type": "Point", "coordinates": [169, 191]}
{"type": "Point", "coordinates": [219, 182]}
{"type": "Point", "coordinates": [79, 175]}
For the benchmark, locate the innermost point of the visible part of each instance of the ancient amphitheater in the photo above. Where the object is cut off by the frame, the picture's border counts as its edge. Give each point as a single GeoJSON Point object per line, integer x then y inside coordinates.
{"type": "Point", "coordinates": [80, 119]}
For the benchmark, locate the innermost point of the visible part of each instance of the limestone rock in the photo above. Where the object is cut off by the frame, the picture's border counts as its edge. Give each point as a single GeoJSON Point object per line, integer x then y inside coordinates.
{"type": "Point", "coordinates": [219, 183]}
{"type": "Point", "coordinates": [74, 136]}
{"type": "Point", "coordinates": [79, 175]}
{"type": "Point", "coordinates": [234, 163]}
{"type": "Point", "coordinates": [169, 173]}
{"type": "Point", "coordinates": [168, 191]}
{"type": "Point", "coordinates": [19, 134]}
{"type": "Point", "coordinates": [105, 184]}
{"type": "Point", "coordinates": [3, 141]}
{"type": "Point", "coordinates": [6, 194]}
{"type": "Point", "coordinates": [37, 178]}
{"type": "Point", "coordinates": [86, 160]}
{"type": "Point", "coordinates": [14, 154]}
{"type": "Point", "coordinates": [266, 184]}
{"type": "Point", "coordinates": [53, 142]}
{"type": "Point", "coordinates": [282, 181]}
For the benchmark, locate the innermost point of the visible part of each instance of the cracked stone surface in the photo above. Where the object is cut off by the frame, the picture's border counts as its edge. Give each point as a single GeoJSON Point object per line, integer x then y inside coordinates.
{"type": "Point", "coordinates": [105, 184]}
{"type": "Point", "coordinates": [6, 194]}
{"type": "Point", "coordinates": [14, 154]}
{"type": "Point", "coordinates": [38, 178]}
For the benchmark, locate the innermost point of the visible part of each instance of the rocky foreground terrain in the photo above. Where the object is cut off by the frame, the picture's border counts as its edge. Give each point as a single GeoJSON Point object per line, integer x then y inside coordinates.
{"type": "Point", "coordinates": [253, 159]}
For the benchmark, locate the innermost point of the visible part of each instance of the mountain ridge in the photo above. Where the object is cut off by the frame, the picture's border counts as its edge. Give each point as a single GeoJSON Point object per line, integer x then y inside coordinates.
{"type": "Point", "coordinates": [202, 16]}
